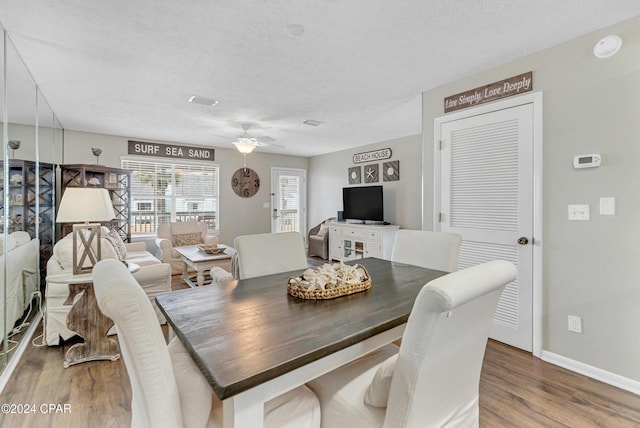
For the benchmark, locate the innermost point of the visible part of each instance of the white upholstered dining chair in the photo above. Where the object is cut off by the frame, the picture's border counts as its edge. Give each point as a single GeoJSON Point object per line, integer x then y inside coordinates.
{"type": "Point", "coordinates": [433, 250]}
{"type": "Point", "coordinates": [433, 380]}
{"type": "Point", "coordinates": [269, 253]}
{"type": "Point", "coordinates": [168, 390]}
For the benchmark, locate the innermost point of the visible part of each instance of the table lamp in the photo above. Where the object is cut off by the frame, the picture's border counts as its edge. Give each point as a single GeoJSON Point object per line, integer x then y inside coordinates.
{"type": "Point", "coordinates": [85, 204]}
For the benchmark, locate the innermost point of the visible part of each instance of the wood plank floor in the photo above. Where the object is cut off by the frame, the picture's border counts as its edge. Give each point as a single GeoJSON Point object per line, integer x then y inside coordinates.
{"type": "Point", "coordinates": [516, 390]}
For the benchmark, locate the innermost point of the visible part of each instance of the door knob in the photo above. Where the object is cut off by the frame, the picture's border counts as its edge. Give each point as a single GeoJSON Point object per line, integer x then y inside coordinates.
{"type": "Point", "coordinates": [523, 240]}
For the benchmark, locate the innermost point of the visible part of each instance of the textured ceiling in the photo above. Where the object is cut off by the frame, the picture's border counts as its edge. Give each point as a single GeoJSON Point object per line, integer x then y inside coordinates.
{"type": "Point", "coordinates": [127, 68]}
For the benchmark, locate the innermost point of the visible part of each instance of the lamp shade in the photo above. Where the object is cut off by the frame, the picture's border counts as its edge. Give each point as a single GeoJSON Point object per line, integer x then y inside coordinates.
{"type": "Point", "coordinates": [85, 204]}
{"type": "Point", "coordinates": [245, 145]}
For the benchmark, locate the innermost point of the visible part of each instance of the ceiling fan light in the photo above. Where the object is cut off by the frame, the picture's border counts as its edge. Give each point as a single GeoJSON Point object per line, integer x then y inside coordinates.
{"type": "Point", "coordinates": [245, 145]}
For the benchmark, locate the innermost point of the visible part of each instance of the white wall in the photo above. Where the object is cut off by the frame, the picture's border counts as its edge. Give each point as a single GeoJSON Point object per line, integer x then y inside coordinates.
{"type": "Point", "coordinates": [49, 143]}
{"type": "Point", "coordinates": [238, 216]}
{"type": "Point", "coordinates": [590, 106]}
{"type": "Point", "coordinates": [328, 174]}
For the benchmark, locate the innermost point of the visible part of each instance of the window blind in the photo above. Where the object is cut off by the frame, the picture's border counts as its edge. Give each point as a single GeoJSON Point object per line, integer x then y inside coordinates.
{"type": "Point", "coordinates": [289, 202]}
{"type": "Point", "coordinates": [164, 192]}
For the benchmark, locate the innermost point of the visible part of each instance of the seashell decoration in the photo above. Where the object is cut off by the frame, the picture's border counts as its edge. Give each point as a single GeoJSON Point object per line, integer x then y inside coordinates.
{"type": "Point", "coordinates": [331, 276]}
{"type": "Point", "coordinates": [16, 179]}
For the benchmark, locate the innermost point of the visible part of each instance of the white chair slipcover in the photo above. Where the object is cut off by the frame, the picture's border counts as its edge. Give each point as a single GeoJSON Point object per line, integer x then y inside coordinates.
{"type": "Point", "coordinates": [269, 253]}
{"type": "Point", "coordinates": [436, 378]}
{"type": "Point", "coordinates": [168, 389]}
{"type": "Point", "coordinates": [433, 250]}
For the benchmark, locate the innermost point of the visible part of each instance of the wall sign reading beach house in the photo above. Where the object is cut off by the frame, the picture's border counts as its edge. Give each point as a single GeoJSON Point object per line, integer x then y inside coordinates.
{"type": "Point", "coordinates": [373, 155]}
{"type": "Point", "coordinates": [171, 151]}
{"type": "Point", "coordinates": [494, 91]}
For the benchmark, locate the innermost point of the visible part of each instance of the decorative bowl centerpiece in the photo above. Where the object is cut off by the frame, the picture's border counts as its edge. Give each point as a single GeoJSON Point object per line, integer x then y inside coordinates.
{"type": "Point", "coordinates": [211, 248]}
{"type": "Point", "coordinates": [330, 281]}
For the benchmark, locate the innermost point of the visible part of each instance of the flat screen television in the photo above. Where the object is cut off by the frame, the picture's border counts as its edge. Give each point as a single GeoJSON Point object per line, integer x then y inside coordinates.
{"type": "Point", "coordinates": [363, 204]}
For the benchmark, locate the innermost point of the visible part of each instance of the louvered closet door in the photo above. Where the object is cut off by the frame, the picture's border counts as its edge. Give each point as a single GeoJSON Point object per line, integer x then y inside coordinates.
{"type": "Point", "coordinates": [487, 197]}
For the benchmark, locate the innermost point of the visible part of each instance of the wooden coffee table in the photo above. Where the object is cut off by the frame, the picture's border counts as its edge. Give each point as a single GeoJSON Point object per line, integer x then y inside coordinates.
{"type": "Point", "coordinates": [193, 256]}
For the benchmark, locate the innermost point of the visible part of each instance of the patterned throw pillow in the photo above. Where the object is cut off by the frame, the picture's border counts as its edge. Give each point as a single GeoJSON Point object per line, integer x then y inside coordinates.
{"type": "Point", "coordinates": [114, 237]}
{"type": "Point", "coordinates": [186, 239]}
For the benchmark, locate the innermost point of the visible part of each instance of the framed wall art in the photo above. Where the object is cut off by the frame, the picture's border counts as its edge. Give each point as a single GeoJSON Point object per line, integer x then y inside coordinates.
{"type": "Point", "coordinates": [371, 173]}
{"type": "Point", "coordinates": [391, 171]}
{"type": "Point", "coordinates": [355, 175]}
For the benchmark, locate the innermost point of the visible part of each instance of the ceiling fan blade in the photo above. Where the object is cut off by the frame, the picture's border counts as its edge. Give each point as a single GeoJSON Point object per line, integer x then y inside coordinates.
{"type": "Point", "coordinates": [280, 146]}
{"type": "Point", "coordinates": [266, 139]}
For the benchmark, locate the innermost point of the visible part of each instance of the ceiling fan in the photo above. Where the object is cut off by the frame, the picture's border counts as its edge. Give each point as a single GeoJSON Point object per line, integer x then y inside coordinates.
{"type": "Point", "coordinates": [246, 143]}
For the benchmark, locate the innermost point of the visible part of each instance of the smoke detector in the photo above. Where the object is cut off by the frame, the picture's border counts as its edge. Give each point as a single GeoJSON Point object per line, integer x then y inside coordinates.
{"type": "Point", "coordinates": [607, 46]}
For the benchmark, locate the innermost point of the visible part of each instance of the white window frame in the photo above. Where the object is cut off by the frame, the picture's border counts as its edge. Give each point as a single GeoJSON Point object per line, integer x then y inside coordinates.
{"type": "Point", "coordinates": [174, 198]}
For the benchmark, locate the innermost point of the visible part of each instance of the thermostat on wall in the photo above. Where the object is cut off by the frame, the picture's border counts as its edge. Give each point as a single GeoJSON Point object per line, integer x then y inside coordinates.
{"type": "Point", "coordinates": [587, 161]}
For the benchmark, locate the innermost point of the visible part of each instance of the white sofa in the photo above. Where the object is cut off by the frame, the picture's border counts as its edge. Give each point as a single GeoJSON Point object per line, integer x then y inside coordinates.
{"type": "Point", "coordinates": [180, 233]}
{"type": "Point", "coordinates": [21, 274]}
{"type": "Point", "coordinates": [154, 277]}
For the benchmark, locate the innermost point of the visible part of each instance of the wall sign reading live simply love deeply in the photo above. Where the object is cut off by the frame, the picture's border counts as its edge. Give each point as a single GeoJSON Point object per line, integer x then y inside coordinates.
{"type": "Point", "coordinates": [171, 151]}
{"type": "Point", "coordinates": [373, 155]}
{"type": "Point", "coordinates": [494, 91]}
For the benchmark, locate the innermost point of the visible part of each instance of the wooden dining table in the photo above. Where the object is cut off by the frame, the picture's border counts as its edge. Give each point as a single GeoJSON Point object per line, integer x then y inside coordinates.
{"type": "Point", "coordinates": [252, 341]}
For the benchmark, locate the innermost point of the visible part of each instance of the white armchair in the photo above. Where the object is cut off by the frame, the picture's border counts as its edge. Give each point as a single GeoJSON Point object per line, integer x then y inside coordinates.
{"type": "Point", "coordinates": [433, 380]}
{"type": "Point", "coordinates": [167, 388]}
{"type": "Point", "coordinates": [178, 234]}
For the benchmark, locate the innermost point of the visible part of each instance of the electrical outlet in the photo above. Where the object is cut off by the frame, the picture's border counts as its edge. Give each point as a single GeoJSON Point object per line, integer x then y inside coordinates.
{"type": "Point", "coordinates": [575, 324]}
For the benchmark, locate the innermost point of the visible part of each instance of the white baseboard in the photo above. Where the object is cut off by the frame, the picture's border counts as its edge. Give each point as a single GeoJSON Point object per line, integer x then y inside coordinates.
{"type": "Point", "coordinates": [592, 372]}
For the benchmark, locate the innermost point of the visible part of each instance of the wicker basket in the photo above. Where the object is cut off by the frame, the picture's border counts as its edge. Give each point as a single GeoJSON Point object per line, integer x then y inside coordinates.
{"type": "Point", "coordinates": [295, 289]}
{"type": "Point", "coordinates": [211, 248]}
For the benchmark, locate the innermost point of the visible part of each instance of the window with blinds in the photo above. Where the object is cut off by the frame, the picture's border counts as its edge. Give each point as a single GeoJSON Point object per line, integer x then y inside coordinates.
{"type": "Point", "coordinates": [289, 203]}
{"type": "Point", "coordinates": [164, 192]}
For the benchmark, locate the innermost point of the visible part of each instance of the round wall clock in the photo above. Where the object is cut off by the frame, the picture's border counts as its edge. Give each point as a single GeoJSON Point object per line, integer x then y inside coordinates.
{"type": "Point", "coordinates": [245, 182]}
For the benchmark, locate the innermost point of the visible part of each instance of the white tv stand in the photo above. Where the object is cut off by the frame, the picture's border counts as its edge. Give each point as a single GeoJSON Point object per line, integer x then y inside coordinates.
{"type": "Point", "coordinates": [352, 241]}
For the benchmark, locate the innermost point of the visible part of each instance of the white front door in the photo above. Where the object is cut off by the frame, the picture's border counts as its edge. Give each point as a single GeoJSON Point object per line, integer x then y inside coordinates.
{"type": "Point", "coordinates": [486, 194]}
{"type": "Point", "coordinates": [288, 204]}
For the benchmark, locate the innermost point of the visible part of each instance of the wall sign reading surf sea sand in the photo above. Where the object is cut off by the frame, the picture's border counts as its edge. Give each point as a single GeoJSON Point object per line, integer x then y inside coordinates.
{"type": "Point", "coordinates": [493, 91]}
{"type": "Point", "coordinates": [171, 151]}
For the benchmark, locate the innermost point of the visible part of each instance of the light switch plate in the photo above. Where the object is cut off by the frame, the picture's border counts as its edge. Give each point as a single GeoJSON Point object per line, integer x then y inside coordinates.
{"type": "Point", "coordinates": [579, 212]}
{"type": "Point", "coordinates": [607, 206]}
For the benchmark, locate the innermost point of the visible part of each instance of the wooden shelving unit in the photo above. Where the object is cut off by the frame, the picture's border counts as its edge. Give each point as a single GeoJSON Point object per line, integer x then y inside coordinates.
{"type": "Point", "coordinates": [31, 193]}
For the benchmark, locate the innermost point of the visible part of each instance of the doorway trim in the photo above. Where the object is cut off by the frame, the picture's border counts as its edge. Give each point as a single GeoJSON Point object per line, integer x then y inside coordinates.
{"type": "Point", "coordinates": [535, 99]}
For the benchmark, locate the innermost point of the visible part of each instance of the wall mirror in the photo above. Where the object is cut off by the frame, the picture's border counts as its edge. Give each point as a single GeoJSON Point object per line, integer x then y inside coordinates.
{"type": "Point", "coordinates": [32, 146]}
